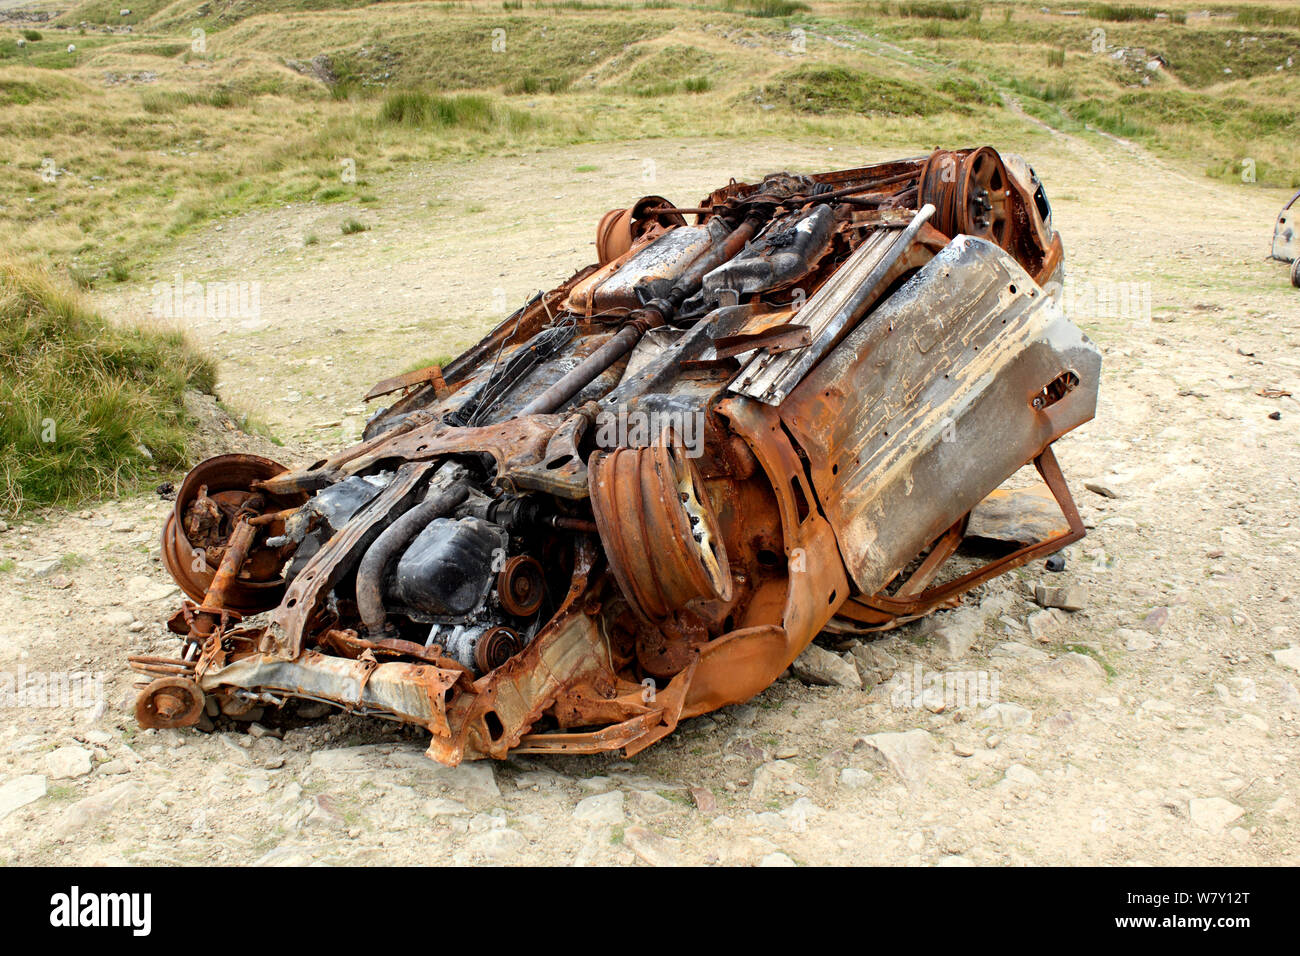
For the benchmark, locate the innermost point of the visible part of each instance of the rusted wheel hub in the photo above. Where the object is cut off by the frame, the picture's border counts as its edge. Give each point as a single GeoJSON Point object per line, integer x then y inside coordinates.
{"type": "Point", "coordinates": [227, 480]}
{"type": "Point", "coordinates": [970, 192]}
{"type": "Point", "coordinates": [619, 228]}
{"type": "Point", "coordinates": [659, 529]}
{"type": "Point", "coordinates": [169, 702]}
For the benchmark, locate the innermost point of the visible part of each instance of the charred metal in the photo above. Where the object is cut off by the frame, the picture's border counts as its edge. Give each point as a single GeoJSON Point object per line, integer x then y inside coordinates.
{"type": "Point", "coordinates": [642, 495]}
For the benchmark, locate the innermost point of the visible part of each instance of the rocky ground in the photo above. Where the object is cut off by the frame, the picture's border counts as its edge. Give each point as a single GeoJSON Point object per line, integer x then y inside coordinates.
{"type": "Point", "coordinates": [1155, 724]}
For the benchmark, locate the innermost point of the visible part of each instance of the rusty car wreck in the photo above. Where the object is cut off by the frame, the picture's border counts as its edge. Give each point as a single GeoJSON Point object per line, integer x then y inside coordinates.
{"type": "Point", "coordinates": [641, 496]}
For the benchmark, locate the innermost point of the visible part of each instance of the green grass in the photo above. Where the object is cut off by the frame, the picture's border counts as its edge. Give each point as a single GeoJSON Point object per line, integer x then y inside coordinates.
{"type": "Point", "coordinates": [1263, 16]}
{"type": "Point", "coordinates": [842, 89]}
{"type": "Point", "coordinates": [351, 227]}
{"type": "Point", "coordinates": [170, 101]}
{"type": "Point", "coordinates": [930, 10]}
{"type": "Point", "coordinates": [87, 408]}
{"type": "Point", "coordinates": [1126, 12]}
{"type": "Point", "coordinates": [765, 8]}
{"type": "Point", "coordinates": [417, 109]}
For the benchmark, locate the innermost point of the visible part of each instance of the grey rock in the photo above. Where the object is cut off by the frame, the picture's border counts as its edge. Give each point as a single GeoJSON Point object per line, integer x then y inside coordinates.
{"type": "Point", "coordinates": [653, 848]}
{"type": "Point", "coordinates": [1014, 650]}
{"type": "Point", "coordinates": [816, 665]}
{"type": "Point", "coordinates": [97, 808]}
{"type": "Point", "coordinates": [906, 754]}
{"type": "Point", "coordinates": [704, 799]}
{"type": "Point", "coordinates": [500, 844]}
{"type": "Point", "coordinates": [1100, 488]}
{"type": "Point", "coordinates": [67, 763]}
{"type": "Point", "coordinates": [1058, 723]}
{"type": "Point", "coordinates": [475, 778]}
{"type": "Point", "coordinates": [1288, 657]}
{"type": "Point", "coordinates": [601, 810]}
{"type": "Point", "coordinates": [647, 803]}
{"type": "Point", "coordinates": [1043, 624]}
{"type": "Point", "coordinates": [495, 820]}
{"type": "Point", "coordinates": [776, 859]}
{"type": "Point", "coordinates": [854, 779]}
{"type": "Point", "coordinates": [1135, 640]}
{"type": "Point", "coordinates": [1071, 667]}
{"type": "Point", "coordinates": [1156, 619]}
{"type": "Point", "coordinates": [1006, 715]}
{"type": "Point", "coordinates": [20, 791]}
{"type": "Point", "coordinates": [1290, 695]}
{"type": "Point", "coordinates": [954, 634]}
{"type": "Point", "coordinates": [875, 664]}
{"type": "Point", "coordinates": [442, 807]}
{"type": "Point", "coordinates": [1212, 813]}
{"type": "Point", "coordinates": [39, 568]}
{"type": "Point", "coordinates": [1070, 598]}
{"type": "Point", "coordinates": [323, 813]}
{"type": "Point", "coordinates": [286, 856]}
{"type": "Point", "coordinates": [1019, 775]}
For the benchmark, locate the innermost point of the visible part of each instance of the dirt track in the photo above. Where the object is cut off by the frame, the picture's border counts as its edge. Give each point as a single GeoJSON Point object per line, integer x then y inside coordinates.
{"type": "Point", "coordinates": [1154, 726]}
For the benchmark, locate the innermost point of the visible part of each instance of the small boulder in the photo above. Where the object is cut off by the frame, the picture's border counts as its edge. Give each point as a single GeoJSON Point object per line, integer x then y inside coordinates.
{"type": "Point", "coordinates": [68, 763]}
{"type": "Point", "coordinates": [816, 665]}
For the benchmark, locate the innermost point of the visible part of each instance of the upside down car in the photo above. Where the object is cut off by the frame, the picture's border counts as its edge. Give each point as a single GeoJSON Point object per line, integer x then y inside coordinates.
{"type": "Point", "coordinates": [640, 497]}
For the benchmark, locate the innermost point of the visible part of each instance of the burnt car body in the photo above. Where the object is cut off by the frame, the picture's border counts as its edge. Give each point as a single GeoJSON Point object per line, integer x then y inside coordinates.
{"type": "Point", "coordinates": [642, 495]}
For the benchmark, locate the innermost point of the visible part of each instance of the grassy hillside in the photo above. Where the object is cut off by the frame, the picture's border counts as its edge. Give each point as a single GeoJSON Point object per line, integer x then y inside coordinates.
{"type": "Point", "coordinates": [209, 107]}
{"type": "Point", "coordinates": [87, 408]}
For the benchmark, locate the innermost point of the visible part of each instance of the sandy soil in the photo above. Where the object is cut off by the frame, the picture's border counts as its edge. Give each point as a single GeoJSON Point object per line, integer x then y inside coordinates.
{"type": "Point", "coordinates": [1156, 725]}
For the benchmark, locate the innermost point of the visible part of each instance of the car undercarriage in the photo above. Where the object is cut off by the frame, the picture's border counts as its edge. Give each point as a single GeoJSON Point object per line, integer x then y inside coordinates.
{"type": "Point", "coordinates": [641, 496]}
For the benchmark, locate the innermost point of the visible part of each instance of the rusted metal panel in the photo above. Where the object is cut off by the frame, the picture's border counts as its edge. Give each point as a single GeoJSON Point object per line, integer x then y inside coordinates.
{"type": "Point", "coordinates": [928, 404]}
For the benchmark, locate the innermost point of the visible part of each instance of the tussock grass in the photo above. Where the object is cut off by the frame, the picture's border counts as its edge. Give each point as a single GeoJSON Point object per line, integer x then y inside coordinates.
{"type": "Point", "coordinates": [1263, 16]}
{"type": "Point", "coordinates": [765, 8]}
{"type": "Point", "coordinates": [841, 89]}
{"type": "Point", "coordinates": [930, 10]}
{"type": "Point", "coordinates": [1125, 12]}
{"type": "Point", "coordinates": [86, 407]}
{"type": "Point", "coordinates": [170, 101]}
